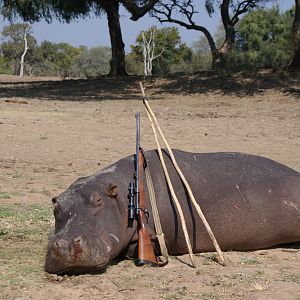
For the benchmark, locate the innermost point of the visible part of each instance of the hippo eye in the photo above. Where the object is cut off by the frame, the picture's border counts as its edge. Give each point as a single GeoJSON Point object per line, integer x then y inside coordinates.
{"type": "Point", "coordinates": [95, 199]}
{"type": "Point", "coordinates": [54, 200]}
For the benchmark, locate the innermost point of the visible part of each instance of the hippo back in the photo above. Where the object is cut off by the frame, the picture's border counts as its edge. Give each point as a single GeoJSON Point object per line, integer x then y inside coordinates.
{"type": "Point", "coordinates": [250, 201]}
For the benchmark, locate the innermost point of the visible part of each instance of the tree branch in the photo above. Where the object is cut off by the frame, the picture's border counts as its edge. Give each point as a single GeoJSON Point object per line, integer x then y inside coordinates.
{"type": "Point", "coordinates": [188, 10]}
{"type": "Point", "coordinates": [138, 11]}
{"type": "Point", "coordinates": [164, 13]}
{"type": "Point", "coordinates": [242, 8]}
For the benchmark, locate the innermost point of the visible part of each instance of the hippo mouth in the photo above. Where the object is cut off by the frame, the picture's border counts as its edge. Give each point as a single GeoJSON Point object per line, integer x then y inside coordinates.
{"type": "Point", "coordinates": [79, 270]}
{"type": "Point", "coordinates": [61, 267]}
{"type": "Point", "coordinates": [56, 267]}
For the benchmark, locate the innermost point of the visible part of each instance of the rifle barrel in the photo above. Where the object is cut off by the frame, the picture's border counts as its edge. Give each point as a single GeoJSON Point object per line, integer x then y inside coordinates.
{"type": "Point", "coordinates": [137, 162]}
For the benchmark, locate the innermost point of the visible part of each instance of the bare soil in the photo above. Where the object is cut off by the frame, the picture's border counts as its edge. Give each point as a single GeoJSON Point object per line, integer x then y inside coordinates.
{"type": "Point", "coordinates": [52, 132]}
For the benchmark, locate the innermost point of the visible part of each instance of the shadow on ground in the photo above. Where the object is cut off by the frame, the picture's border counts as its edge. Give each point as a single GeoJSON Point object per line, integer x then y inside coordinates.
{"type": "Point", "coordinates": [123, 88]}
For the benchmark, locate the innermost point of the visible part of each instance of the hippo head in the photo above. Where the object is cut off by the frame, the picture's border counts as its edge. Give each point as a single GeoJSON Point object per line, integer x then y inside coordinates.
{"type": "Point", "coordinates": [89, 228]}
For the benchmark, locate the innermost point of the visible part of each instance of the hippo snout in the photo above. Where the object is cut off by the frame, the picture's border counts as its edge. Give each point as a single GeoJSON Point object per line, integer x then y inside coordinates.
{"type": "Point", "coordinates": [57, 256]}
{"type": "Point", "coordinates": [63, 256]}
{"type": "Point", "coordinates": [72, 250]}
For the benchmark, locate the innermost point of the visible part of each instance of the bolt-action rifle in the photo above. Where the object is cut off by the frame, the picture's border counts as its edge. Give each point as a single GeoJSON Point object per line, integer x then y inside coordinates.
{"type": "Point", "coordinates": [137, 207]}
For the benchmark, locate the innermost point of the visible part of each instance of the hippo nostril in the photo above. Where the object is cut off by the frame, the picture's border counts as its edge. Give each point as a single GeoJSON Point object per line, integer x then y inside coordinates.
{"type": "Point", "coordinates": [59, 244]}
{"type": "Point", "coordinates": [58, 247]}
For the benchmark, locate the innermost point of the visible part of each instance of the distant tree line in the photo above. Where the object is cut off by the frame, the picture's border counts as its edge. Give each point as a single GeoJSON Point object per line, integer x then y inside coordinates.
{"type": "Point", "coordinates": [181, 12]}
{"type": "Point", "coordinates": [50, 59]}
{"type": "Point", "coordinates": [263, 39]}
{"type": "Point", "coordinates": [67, 10]}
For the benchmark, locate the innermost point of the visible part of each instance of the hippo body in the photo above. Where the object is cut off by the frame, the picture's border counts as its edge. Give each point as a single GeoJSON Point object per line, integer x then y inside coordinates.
{"type": "Point", "coordinates": [250, 202]}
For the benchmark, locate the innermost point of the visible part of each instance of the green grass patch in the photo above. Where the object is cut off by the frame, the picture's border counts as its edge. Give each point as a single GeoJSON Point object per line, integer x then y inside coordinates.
{"type": "Point", "coordinates": [4, 195]}
{"type": "Point", "coordinates": [10, 195]}
{"type": "Point", "coordinates": [23, 240]}
{"type": "Point", "coordinates": [21, 263]}
{"type": "Point", "coordinates": [16, 174]}
{"type": "Point", "coordinates": [249, 260]}
{"type": "Point", "coordinates": [24, 222]}
{"type": "Point", "coordinates": [287, 275]}
{"type": "Point", "coordinates": [209, 296]}
{"type": "Point", "coordinates": [210, 258]}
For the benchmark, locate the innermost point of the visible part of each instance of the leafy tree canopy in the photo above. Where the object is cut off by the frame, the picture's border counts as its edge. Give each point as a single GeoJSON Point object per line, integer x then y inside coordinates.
{"type": "Point", "coordinates": [264, 27]}
{"type": "Point", "coordinates": [49, 9]}
{"type": "Point", "coordinates": [264, 37]}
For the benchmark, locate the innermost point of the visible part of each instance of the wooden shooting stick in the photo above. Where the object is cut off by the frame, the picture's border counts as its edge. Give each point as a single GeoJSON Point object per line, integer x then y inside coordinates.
{"type": "Point", "coordinates": [174, 197]}
{"type": "Point", "coordinates": [152, 118]}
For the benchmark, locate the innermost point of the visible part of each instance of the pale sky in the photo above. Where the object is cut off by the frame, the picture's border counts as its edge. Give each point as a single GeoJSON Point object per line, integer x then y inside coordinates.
{"type": "Point", "coordinates": [94, 32]}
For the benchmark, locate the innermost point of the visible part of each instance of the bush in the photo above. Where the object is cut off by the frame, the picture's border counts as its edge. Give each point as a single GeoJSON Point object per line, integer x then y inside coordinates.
{"type": "Point", "coordinates": [92, 62]}
{"type": "Point", "coordinates": [263, 40]}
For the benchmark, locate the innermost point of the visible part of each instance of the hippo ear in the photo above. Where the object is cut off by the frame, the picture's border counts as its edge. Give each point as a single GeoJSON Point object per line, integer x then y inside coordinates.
{"type": "Point", "coordinates": [112, 191]}
{"type": "Point", "coordinates": [95, 199]}
{"type": "Point", "coordinates": [54, 200]}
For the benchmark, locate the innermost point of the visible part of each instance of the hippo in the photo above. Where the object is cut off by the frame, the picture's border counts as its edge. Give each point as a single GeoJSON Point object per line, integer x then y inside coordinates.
{"type": "Point", "coordinates": [250, 202]}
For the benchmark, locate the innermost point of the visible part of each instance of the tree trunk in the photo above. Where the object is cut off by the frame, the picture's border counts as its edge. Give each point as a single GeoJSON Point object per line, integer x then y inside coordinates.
{"type": "Point", "coordinates": [24, 52]}
{"type": "Point", "coordinates": [117, 63]}
{"type": "Point", "coordinates": [223, 51]}
{"type": "Point", "coordinates": [211, 43]}
{"type": "Point", "coordinates": [148, 52]}
{"type": "Point", "coordinates": [145, 54]}
{"type": "Point", "coordinates": [295, 63]}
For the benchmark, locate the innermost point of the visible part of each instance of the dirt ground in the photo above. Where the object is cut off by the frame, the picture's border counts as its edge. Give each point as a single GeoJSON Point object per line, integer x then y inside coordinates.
{"type": "Point", "coordinates": [52, 132]}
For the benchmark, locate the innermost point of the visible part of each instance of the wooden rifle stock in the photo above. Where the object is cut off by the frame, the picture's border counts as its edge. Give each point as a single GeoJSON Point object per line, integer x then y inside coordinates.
{"type": "Point", "coordinates": [145, 249]}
